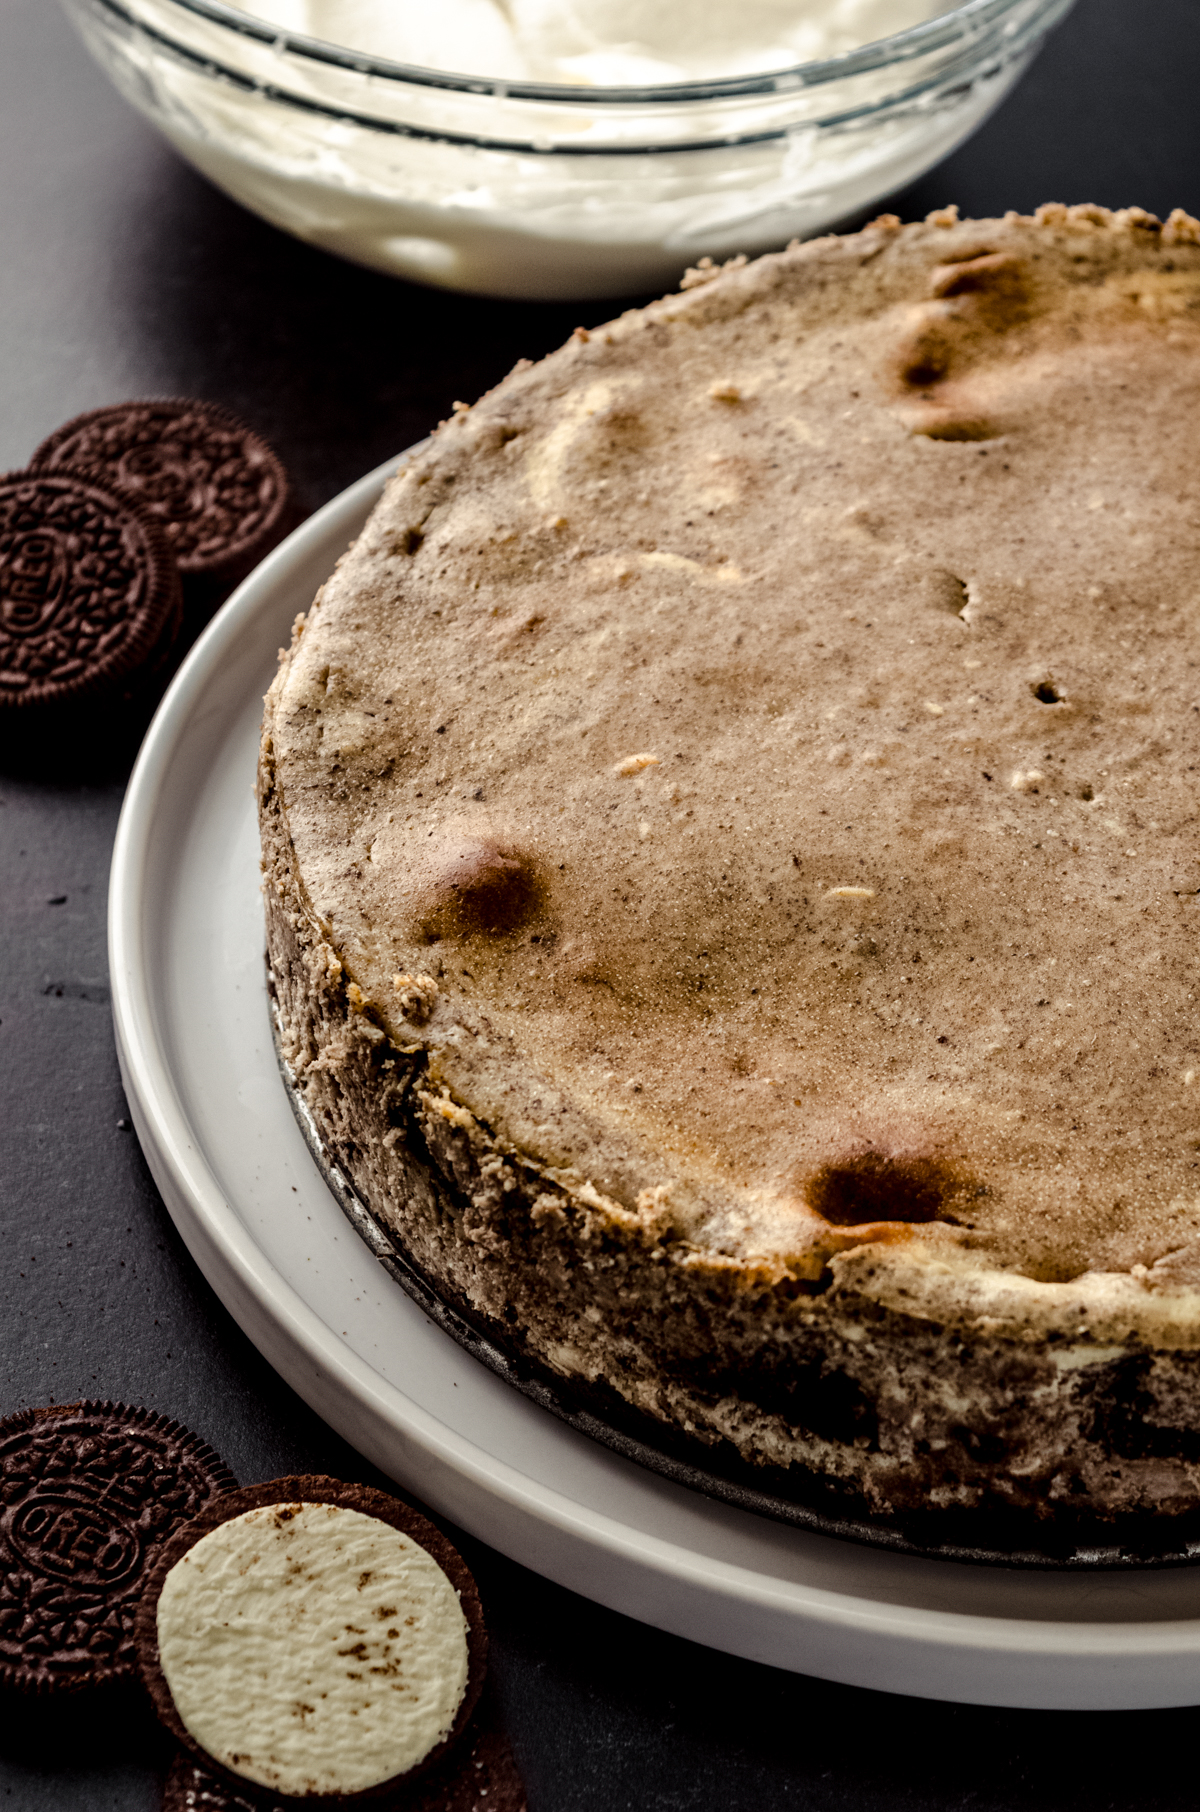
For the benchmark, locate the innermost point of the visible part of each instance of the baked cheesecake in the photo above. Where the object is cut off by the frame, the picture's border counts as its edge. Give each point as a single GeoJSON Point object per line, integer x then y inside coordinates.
{"type": "Point", "coordinates": [730, 836]}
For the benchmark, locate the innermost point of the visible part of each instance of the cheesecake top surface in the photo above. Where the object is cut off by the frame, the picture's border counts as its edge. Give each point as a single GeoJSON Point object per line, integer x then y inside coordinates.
{"type": "Point", "coordinates": [773, 723]}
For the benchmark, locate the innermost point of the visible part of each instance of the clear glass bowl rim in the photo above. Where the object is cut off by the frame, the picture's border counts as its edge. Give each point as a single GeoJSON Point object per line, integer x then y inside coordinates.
{"type": "Point", "coordinates": [972, 18]}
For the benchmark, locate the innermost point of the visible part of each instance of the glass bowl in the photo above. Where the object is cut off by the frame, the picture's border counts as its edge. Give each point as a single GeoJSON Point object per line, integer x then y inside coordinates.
{"type": "Point", "coordinates": [543, 191]}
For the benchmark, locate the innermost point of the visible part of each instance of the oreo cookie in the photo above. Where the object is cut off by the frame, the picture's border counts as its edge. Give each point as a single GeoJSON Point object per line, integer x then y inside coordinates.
{"type": "Point", "coordinates": [89, 1495]}
{"type": "Point", "coordinates": [482, 1777]}
{"type": "Point", "coordinates": [217, 490]}
{"type": "Point", "coordinates": [312, 1642]}
{"type": "Point", "coordinates": [89, 591]}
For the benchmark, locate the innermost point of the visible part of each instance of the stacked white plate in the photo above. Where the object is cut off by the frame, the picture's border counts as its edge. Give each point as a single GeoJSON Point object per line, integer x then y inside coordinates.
{"type": "Point", "coordinates": [194, 1038]}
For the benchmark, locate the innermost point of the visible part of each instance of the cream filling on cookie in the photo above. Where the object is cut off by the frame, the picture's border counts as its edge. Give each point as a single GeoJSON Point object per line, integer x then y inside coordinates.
{"type": "Point", "coordinates": [313, 1649]}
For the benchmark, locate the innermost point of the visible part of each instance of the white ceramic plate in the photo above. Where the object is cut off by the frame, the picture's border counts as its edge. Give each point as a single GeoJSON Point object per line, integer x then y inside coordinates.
{"type": "Point", "coordinates": [194, 1039]}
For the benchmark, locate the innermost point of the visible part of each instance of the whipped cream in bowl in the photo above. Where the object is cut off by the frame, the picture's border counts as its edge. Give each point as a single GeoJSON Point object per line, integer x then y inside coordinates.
{"type": "Point", "coordinates": [562, 148]}
{"type": "Point", "coordinates": [602, 43]}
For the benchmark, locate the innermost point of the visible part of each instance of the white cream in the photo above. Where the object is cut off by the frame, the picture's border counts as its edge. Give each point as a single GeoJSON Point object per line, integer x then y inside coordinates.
{"type": "Point", "coordinates": [428, 33]}
{"type": "Point", "coordinates": [606, 43]}
{"type": "Point", "coordinates": [482, 189]}
{"type": "Point", "coordinates": [318, 1652]}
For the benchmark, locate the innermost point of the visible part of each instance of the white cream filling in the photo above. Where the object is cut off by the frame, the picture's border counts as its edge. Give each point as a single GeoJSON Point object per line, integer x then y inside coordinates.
{"type": "Point", "coordinates": [312, 1649]}
{"type": "Point", "coordinates": [600, 42]}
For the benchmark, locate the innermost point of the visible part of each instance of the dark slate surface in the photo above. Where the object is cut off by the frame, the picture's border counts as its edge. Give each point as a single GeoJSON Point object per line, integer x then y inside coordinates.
{"type": "Point", "coordinates": [123, 274]}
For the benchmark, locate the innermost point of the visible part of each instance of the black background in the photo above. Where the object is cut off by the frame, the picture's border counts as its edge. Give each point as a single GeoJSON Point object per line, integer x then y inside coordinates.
{"type": "Point", "coordinates": [123, 274]}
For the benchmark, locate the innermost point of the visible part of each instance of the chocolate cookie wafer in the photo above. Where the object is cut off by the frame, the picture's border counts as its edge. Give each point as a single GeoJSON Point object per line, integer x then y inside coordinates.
{"type": "Point", "coordinates": [318, 1641]}
{"type": "Point", "coordinates": [89, 1493]}
{"type": "Point", "coordinates": [89, 592]}
{"type": "Point", "coordinates": [481, 1777]}
{"type": "Point", "coordinates": [218, 490]}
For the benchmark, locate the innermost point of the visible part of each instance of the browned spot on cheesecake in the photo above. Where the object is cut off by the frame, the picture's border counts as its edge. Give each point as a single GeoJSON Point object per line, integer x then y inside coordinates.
{"type": "Point", "coordinates": [927, 352]}
{"type": "Point", "coordinates": [996, 279]}
{"type": "Point", "coordinates": [884, 1181]}
{"type": "Point", "coordinates": [943, 590]}
{"type": "Point", "coordinates": [953, 424]}
{"type": "Point", "coordinates": [474, 886]}
{"type": "Point", "coordinates": [975, 303]}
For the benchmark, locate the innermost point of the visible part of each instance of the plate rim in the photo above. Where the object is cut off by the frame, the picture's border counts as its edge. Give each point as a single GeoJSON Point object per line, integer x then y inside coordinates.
{"type": "Point", "coordinates": [314, 1362]}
